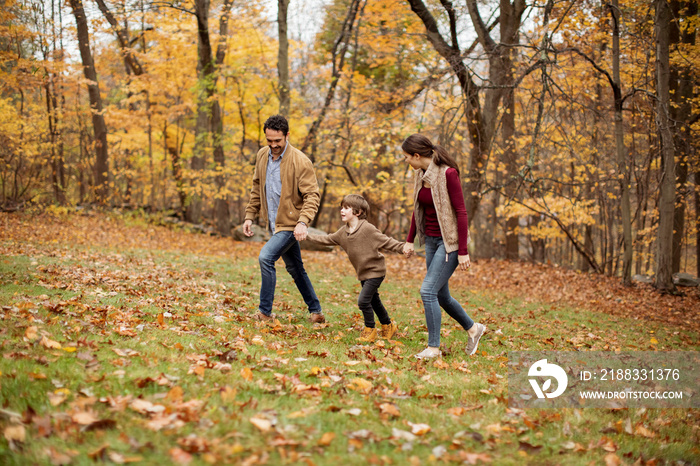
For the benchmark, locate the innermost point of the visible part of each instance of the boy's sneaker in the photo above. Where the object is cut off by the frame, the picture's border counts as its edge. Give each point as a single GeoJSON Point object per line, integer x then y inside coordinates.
{"type": "Point", "coordinates": [473, 342]}
{"type": "Point", "coordinates": [368, 335]}
{"type": "Point", "coordinates": [317, 318]}
{"type": "Point", "coordinates": [388, 331]}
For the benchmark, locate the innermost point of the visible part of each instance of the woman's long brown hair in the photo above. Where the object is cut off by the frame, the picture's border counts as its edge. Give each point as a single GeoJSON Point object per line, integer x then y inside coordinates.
{"type": "Point", "coordinates": [421, 145]}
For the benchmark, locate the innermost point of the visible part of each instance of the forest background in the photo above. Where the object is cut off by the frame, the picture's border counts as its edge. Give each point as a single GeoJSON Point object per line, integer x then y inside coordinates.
{"type": "Point", "coordinates": [574, 122]}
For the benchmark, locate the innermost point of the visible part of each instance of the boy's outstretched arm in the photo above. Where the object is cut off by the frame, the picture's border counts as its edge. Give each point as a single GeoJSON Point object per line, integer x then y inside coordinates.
{"type": "Point", "coordinates": [389, 244]}
{"type": "Point", "coordinates": [325, 240]}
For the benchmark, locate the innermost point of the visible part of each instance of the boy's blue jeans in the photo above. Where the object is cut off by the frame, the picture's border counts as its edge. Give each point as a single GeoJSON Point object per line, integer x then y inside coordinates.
{"type": "Point", "coordinates": [283, 244]}
{"type": "Point", "coordinates": [435, 291]}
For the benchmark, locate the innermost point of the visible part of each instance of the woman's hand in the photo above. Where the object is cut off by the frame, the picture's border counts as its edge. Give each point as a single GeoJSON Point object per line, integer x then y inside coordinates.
{"type": "Point", "coordinates": [408, 249]}
{"type": "Point", "coordinates": [464, 262]}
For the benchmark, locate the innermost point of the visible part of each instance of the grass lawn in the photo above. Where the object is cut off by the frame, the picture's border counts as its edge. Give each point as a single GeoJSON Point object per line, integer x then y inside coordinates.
{"type": "Point", "coordinates": [126, 342]}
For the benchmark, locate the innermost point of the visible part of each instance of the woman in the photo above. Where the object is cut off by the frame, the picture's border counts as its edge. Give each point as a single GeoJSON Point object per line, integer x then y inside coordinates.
{"type": "Point", "coordinates": [440, 221]}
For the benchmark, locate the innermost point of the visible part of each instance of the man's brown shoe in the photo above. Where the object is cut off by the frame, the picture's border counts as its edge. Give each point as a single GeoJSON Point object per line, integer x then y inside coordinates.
{"type": "Point", "coordinates": [317, 318]}
{"type": "Point", "coordinates": [259, 316]}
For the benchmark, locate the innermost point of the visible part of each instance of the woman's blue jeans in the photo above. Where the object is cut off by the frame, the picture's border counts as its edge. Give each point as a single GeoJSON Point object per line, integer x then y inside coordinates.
{"type": "Point", "coordinates": [435, 291]}
{"type": "Point", "coordinates": [283, 244]}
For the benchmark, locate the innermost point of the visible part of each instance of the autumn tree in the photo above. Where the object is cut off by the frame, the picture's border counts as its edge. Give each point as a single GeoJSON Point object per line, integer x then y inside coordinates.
{"type": "Point", "coordinates": [664, 255]}
{"type": "Point", "coordinates": [683, 73]}
{"type": "Point", "coordinates": [501, 74]}
{"type": "Point", "coordinates": [481, 122]}
{"type": "Point", "coordinates": [283, 56]}
{"type": "Point", "coordinates": [98, 120]}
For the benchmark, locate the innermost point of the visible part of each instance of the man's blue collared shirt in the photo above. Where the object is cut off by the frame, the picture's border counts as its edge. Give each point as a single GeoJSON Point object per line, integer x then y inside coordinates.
{"type": "Point", "coordinates": [273, 187]}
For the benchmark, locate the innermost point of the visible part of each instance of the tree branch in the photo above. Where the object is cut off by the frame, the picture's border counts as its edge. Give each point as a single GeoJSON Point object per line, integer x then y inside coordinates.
{"type": "Point", "coordinates": [122, 37]}
{"type": "Point", "coordinates": [481, 31]}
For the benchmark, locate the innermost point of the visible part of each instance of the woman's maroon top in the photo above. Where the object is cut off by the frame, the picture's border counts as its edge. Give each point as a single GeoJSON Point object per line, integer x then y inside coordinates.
{"type": "Point", "coordinates": [432, 227]}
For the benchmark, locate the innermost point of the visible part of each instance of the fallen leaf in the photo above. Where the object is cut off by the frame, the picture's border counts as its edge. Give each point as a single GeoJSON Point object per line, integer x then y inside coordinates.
{"type": "Point", "coordinates": [402, 435]}
{"type": "Point", "coordinates": [175, 394]}
{"type": "Point", "coordinates": [101, 424]}
{"type": "Point", "coordinates": [611, 459]}
{"type": "Point", "coordinates": [644, 432]}
{"type": "Point", "coordinates": [440, 364]}
{"type": "Point", "coordinates": [31, 333]}
{"type": "Point", "coordinates": [57, 397]}
{"type": "Point", "coordinates": [528, 447]}
{"type": "Point", "coordinates": [257, 340]}
{"type": "Point", "coordinates": [610, 446]}
{"type": "Point", "coordinates": [326, 439]}
{"type": "Point", "coordinates": [247, 374]}
{"type": "Point", "coordinates": [146, 407]}
{"type": "Point", "coordinates": [389, 409]}
{"type": "Point", "coordinates": [228, 394]}
{"type": "Point", "coordinates": [180, 456]}
{"type": "Point", "coordinates": [419, 429]}
{"type": "Point", "coordinates": [116, 458]}
{"type": "Point", "coordinates": [263, 424]}
{"type": "Point", "coordinates": [15, 433]}
{"type": "Point", "coordinates": [475, 458]}
{"type": "Point", "coordinates": [84, 418]}
{"type": "Point", "coordinates": [360, 385]}
{"type": "Point", "coordinates": [99, 454]}
{"type": "Point", "coordinates": [58, 458]}
{"type": "Point", "coordinates": [48, 343]}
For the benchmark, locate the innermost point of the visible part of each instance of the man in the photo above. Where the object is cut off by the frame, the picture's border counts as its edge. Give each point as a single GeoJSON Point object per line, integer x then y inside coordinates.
{"type": "Point", "coordinates": [285, 194]}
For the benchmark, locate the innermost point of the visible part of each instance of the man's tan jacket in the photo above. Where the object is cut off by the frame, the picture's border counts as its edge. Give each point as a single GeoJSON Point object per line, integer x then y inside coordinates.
{"type": "Point", "coordinates": [300, 196]}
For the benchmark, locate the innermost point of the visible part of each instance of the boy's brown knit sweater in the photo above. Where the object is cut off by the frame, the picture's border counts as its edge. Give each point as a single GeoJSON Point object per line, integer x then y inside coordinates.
{"type": "Point", "coordinates": [362, 247]}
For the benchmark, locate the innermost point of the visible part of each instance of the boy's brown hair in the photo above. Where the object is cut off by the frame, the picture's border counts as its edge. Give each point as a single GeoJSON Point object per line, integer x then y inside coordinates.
{"type": "Point", "coordinates": [357, 203]}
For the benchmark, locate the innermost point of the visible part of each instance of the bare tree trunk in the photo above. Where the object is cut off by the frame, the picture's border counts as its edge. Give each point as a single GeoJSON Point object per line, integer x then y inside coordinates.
{"type": "Point", "coordinates": [171, 148]}
{"type": "Point", "coordinates": [51, 87]}
{"type": "Point", "coordinates": [209, 119]}
{"type": "Point", "coordinates": [509, 154]}
{"type": "Point", "coordinates": [283, 57]}
{"type": "Point", "coordinates": [205, 69]}
{"type": "Point", "coordinates": [98, 121]}
{"type": "Point", "coordinates": [149, 113]}
{"type": "Point", "coordinates": [623, 170]}
{"type": "Point", "coordinates": [664, 253]}
{"type": "Point", "coordinates": [697, 224]}
{"type": "Point", "coordinates": [221, 209]}
{"type": "Point", "coordinates": [683, 31]}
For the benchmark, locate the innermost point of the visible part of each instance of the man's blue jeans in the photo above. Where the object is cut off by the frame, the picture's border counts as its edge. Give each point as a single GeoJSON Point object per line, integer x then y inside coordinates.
{"type": "Point", "coordinates": [435, 291]}
{"type": "Point", "coordinates": [283, 244]}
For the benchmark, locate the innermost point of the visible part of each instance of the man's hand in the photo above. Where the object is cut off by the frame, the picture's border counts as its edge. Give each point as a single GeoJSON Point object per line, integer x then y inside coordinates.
{"type": "Point", "coordinates": [246, 228]}
{"type": "Point", "coordinates": [408, 249]}
{"type": "Point", "coordinates": [300, 232]}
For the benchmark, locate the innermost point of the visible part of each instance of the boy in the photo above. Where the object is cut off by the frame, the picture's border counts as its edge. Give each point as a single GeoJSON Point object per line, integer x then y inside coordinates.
{"type": "Point", "coordinates": [362, 241]}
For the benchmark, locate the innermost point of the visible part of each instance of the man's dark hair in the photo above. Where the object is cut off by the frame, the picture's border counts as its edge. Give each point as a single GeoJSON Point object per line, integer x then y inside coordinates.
{"type": "Point", "coordinates": [277, 123]}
